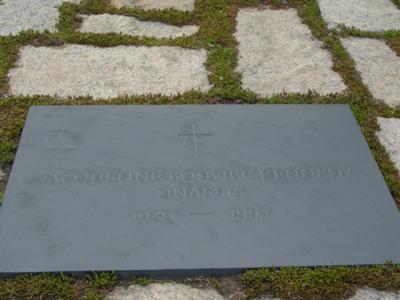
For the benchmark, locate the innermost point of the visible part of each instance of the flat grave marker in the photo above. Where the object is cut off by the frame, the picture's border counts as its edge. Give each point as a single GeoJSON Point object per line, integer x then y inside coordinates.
{"type": "Point", "coordinates": [188, 190]}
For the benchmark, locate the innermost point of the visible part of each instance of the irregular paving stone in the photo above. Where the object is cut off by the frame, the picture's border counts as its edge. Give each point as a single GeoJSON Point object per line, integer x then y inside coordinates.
{"type": "Point", "coordinates": [232, 287]}
{"type": "Point", "coordinates": [389, 137]}
{"type": "Point", "coordinates": [371, 294]}
{"type": "Point", "coordinates": [76, 70]}
{"type": "Point", "coordinates": [378, 66]}
{"type": "Point", "coordinates": [166, 291]}
{"type": "Point", "coordinates": [19, 15]}
{"type": "Point", "coordinates": [361, 294]}
{"type": "Point", "coordinates": [277, 53]}
{"type": "Point", "coordinates": [156, 4]}
{"type": "Point", "coordinates": [132, 26]}
{"type": "Point", "coordinates": [367, 15]}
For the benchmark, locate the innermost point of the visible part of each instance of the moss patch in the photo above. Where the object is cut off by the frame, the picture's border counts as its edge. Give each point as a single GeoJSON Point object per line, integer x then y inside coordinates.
{"type": "Point", "coordinates": [46, 286]}
{"type": "Point", "coordinates": [320, 283]}
{"type": "Point", "coordinates": [97, 286]}
{"type": "Point", "coordinates": [39, 287]}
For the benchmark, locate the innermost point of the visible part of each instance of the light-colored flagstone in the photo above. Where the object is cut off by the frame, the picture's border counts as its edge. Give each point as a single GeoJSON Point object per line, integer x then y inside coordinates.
{"type": "Point", "coordinates": [371, 294]}
{"type": "Point", "coordinates": [131, 26]}
{"type": "Point", "coordinates": [166, 291]}
{"type": "Point", "coordinates": [389, 136]}
{"type": "Point", "coordinates": [185, 5]}
{"type": "Point", "coordinates": [76, 70]}
{"type": "Point", "coordinates": [277, 53]}
{"type": "Point", "coordinates": [361, 294]}
{"type": "Point", "coordinates": [20, 15]}
{"type": "Point", "coordinates": [366, 15]}
{"type": "Point", "coordinates": [378, 66]}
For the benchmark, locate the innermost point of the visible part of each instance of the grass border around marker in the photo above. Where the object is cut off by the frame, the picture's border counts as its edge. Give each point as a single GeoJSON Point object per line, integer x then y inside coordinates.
{"type": "Point", "coordinates": [217, 21]}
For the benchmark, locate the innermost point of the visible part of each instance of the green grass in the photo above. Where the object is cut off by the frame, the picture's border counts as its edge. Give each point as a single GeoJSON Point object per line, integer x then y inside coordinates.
{"type": "Point", "coordinates": [216, 19]}
{"type": "Point", "coordinates": [43, 286]}
{"type": "Point", "coordinates": [46, 286]}
{"type": "Point", "coordinates": [140, 280]}
{"type": "Point", "coordinates": [98, 285]}
{"type": "Point", "coordinates": [320, 283]}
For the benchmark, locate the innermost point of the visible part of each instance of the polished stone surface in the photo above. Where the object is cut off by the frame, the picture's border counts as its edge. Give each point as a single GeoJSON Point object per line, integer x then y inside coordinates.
{"type": "Point", "coordinates": [184, 190]}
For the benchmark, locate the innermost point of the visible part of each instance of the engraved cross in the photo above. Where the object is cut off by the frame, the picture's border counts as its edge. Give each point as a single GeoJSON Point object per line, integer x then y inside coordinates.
{"type": "Point", "coordinates": [195, 135]}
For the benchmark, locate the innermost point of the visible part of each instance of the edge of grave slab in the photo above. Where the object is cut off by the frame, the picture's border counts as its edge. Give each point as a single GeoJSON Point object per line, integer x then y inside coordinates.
{"type": "Point", "coordinates": [212, 269]}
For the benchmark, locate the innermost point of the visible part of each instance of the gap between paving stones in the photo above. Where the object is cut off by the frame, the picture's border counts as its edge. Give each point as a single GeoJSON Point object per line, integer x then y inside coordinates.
{"type": "Point", "coordinates": [185, 5]}
{"type": "Point", "coordinates": [107, 23]}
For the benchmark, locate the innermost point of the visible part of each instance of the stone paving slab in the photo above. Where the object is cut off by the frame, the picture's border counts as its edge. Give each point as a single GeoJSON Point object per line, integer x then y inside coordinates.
{"type": "Point", "coordinates": [366, 15]}
{"type": "Point", "coordinates": [184, 5]}
{"type": "Point", "coordinates": [371, 294]}
{"type": "Point", "coordinates": [389, 137]}
{"type": "Point", "coordinates": [174, 291]}
{"type": "Point", "coordinates": [75, 70]}
{"type": "Point", "coordinates": [361, 294]}
{"type": "Point", "coordinates": [106, 23]}
{"type": "Point", "coordinates": [277, 53]}
{"type": "Point", "coordinates": [378, 66]}
{"type": "Point", "coordinates": [19, 15]}
{"type": "Point", "coordinates": [166, 291]}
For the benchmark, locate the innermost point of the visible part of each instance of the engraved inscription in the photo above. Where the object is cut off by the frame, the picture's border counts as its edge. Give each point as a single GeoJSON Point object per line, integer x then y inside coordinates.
{"type": "Point", "coordinates": [195, 180]}
{"type": "Point", "coordinates": [250, 214]}
{"type": "Point", "coordinates": [153, 215]}
{"type": "Point", "coordinates": [199, 214]}
{"type": "Point", "coordinates": [195, 136]}
{"type": "Point", "coordinates": [144, 175]}
{"type": "Point", "coordinates": [198, 192]}
{"type": "Point", "coordinates": [236, 214]}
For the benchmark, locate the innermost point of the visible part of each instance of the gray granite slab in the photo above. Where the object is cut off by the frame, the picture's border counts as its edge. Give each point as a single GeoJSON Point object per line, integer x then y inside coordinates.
{"type": "Point", "coordinates": [179, 190]}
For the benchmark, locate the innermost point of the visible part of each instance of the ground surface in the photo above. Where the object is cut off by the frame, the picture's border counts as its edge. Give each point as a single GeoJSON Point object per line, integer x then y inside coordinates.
{"type": "Point", "coordinates": [379, 67]}
{"type": "Point", "coordinates": [165, 291]}
{"type": "Point", "coordinates": [367, 15]}
{"type": "Point", "coordinates": [156, 4]}
{"type": "Point", "coordinates": [107, 23]}
{"type": "Point", "coordinates": [16, 16]}
{"type": "Point", "coordinates": [236, 51]}
{"type": "Point", "coordinates": [77, 70]}
{"type": "Point", "coordinates": [271, 40]}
